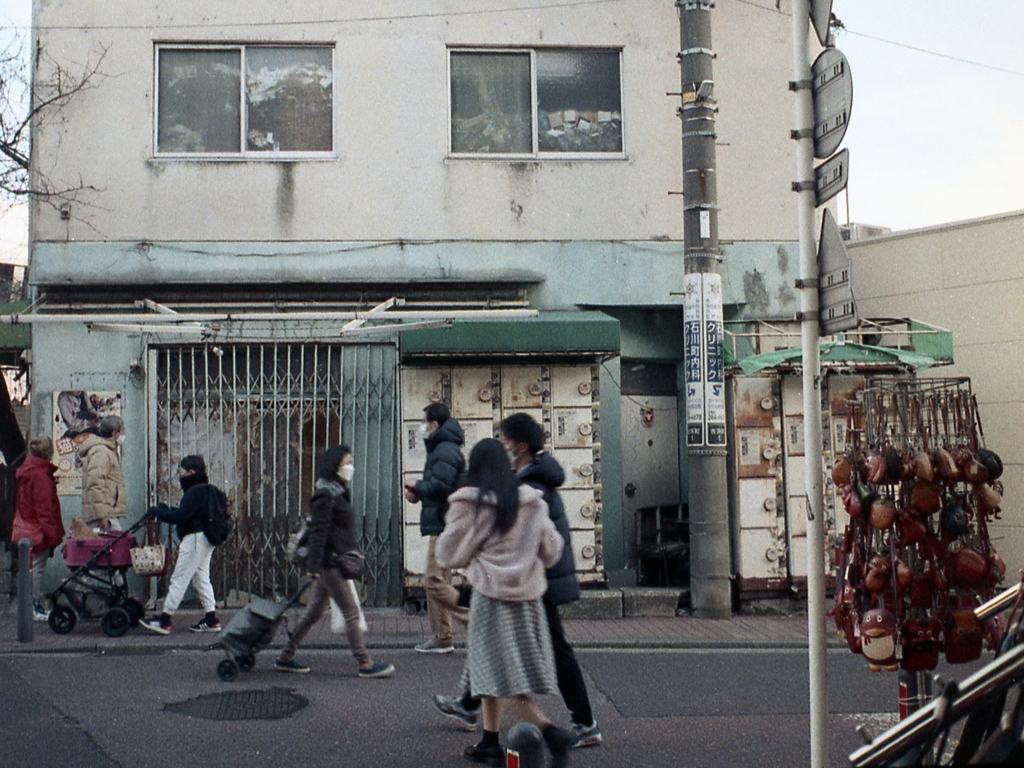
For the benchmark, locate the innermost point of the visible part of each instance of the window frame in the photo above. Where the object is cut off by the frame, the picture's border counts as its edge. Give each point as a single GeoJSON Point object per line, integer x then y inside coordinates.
{"type": "Point", "coordinates": [535, 153]}
{"type": "Point", "coordinates": [243, 153]}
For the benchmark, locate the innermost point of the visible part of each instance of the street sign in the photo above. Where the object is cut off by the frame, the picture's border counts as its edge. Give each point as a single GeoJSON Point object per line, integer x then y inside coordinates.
{"type": "Point", "coordinates": [830, 177]}
{"type": "Point", "coordinates": [837, 306]}
{"type": "Point", "coordinates": [832, 87]}
{"type": "Point", "coordinates": [821, 12]}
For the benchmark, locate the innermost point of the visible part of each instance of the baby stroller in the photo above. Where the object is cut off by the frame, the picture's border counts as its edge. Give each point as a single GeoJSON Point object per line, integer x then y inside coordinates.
{"type": "Point", "coordinates": [250, 631]}
{"type": "Point", "coordinates": [96, 586]}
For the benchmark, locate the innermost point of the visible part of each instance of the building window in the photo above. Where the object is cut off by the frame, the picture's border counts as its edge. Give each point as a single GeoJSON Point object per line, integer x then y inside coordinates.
{"type": "Point", "coordinates": [539, 102]}
{"type": "Point", "coordinates": [252, 100]}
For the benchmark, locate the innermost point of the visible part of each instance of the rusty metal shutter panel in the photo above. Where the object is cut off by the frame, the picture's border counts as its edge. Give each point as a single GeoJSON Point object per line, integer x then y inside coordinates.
{"type": "Point", "coordinates": [261, 415]}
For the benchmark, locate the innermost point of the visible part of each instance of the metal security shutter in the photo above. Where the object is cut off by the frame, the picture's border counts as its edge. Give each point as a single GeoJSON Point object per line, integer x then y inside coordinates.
{"type": "Point", "coordinates": [261, 415]}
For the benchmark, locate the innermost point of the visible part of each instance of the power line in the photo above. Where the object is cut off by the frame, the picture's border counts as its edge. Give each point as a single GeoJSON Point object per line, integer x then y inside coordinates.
{"type": "Point", "coordinates": [841, 28]}
{"type": "Point", "coordinates": [319, 22]}
{"type": "Point", "coordinates": [934, 53]}
{"type": "Point", "coordinates": [412, 16]}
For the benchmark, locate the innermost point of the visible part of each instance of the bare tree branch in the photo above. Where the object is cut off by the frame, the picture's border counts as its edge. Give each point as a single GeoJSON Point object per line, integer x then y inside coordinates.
{"type": "Point", "coordinates": [27, 106]}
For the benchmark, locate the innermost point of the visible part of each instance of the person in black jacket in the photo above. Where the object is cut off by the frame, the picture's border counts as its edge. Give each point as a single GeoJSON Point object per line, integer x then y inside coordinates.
{"type": "Point", "coordinates": [444, 466]}
{"type": "Point", "coordinates": [194, 549]}
{"type": "Point", "coordinates": [331, 532]}
{"type": "Point", "coordinates": [523, 439]}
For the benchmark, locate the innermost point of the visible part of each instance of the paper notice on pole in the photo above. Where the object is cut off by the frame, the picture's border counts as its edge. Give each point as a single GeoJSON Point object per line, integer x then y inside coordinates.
{"type": "Point", "coordinates": [714, 396]}
{"type": "Point", "coordinates": [693, 357]}
{"type": "Point", "coordinates": [703, 331]}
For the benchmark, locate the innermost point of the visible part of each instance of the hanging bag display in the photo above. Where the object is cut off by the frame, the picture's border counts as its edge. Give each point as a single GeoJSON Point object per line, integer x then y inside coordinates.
{"type": "Point", "coordinates": [152, 558]}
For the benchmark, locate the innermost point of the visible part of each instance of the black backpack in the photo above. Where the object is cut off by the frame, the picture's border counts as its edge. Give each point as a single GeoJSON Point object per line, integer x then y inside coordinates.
{"type": "Point", "coordinates": [215, 521]}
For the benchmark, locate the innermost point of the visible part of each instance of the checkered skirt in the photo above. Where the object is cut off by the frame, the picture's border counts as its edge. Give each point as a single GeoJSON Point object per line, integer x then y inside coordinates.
{"type": "Point", "coordinates": [509, 648]}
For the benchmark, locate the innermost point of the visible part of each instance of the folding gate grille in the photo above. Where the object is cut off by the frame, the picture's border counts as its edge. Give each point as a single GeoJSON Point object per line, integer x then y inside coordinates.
{"type": "Point", "coordinates": [261, 415]}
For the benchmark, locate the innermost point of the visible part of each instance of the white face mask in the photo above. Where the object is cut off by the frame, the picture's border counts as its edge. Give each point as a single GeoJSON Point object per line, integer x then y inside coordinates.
{"type": "Point", "coordinates": [120, 439]}
{"type": "Point", "coordinates": [424, 430]}
{"type": "Point", "coordinates": [346, 473]}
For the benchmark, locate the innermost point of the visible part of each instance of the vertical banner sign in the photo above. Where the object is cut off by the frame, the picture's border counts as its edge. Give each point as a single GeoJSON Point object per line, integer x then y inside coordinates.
{"type": "Point", "coordinates": [693, 357]}
{"type": "Point", "coordinates": [714, 376]}
{"type": "Point", "coordinates": [703, 330]}
{"type": "Point", "coordinates": [702, 358]}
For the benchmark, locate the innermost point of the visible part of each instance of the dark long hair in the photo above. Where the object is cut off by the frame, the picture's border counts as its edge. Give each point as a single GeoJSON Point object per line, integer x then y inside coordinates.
{"type": "Point", "coordinates": [490, 472]}
{"type": "Point", "coordinates": [327, 469]}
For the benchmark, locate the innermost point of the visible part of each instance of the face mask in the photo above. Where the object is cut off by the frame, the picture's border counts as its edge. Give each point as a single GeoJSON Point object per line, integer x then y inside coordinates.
{"type": "Point", "coordinates": [346, 473]}
{"type": "Point", "coordinates": [424, 430]}
{"type": "Point", "coordinates": [120, 439]}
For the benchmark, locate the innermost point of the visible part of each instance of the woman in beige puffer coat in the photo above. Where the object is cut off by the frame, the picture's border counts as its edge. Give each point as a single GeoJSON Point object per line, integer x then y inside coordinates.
{"type": "Point", "coordinates": [103, 491]}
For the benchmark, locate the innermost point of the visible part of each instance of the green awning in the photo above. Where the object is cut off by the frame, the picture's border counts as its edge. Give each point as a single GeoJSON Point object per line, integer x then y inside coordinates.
{"type": "Point", "coordinates": [15, 337]}
{"type": "Point", "coordinates": [552, 333]}
{"type": "Point", "coordinates": [843, 353]}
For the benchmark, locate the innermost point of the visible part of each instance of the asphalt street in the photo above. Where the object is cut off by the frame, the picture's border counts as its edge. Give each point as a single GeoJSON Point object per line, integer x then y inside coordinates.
{"type": "Point", "coordinates": [683, 707]}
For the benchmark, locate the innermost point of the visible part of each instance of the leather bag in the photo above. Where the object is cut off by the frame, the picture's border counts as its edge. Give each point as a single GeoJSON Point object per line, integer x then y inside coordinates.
{"type": "Point", "coordinates": [351, 564]}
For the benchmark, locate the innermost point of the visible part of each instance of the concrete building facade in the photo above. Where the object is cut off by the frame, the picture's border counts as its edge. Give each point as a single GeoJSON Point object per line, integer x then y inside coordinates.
{"type": "Point", "coordinates": [255, 173]}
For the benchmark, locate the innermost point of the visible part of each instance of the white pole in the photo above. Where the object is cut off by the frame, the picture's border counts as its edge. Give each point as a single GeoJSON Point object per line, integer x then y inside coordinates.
{"type": "Point", "coordinates": [810, 342]}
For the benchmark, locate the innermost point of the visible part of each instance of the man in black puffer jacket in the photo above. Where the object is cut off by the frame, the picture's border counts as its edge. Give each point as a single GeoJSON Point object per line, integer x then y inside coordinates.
{"type": "Point", "coordinates": [523, 438]}
{"type": "Point", "coordinates": [444, 466]}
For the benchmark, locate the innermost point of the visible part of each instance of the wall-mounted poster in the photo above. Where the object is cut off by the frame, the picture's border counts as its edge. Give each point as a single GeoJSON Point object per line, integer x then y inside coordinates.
{"type": "Point", "coordinates": [76, 415]}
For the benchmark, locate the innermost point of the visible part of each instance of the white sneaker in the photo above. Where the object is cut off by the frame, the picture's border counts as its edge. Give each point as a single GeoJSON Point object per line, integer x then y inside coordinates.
{"type": "Point", "coordinates": [431, 647]}
{"type": "Point", "coordinates": [40, 615]}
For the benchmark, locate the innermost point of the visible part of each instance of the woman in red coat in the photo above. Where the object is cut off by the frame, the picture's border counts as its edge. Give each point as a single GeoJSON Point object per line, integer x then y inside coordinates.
{"type": "Point", "coordinates": [39, 507]}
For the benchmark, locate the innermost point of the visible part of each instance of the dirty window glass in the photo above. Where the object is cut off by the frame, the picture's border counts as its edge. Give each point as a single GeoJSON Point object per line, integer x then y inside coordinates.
{"type": "Point", "coordinates": [289, 99]}
{"type": "Point", "coordinates": [579, 101]}
{"type": "Point", "coordinates": [284, 104]}
{"type": "Point", "coordinates": [200, 101]}
{"type": "Point", "coordinates": [491, 103]}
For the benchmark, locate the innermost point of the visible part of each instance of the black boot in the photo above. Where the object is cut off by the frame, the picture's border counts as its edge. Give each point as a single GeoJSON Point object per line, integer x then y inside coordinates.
{"type": "Point", "coordinates": [487, 752]}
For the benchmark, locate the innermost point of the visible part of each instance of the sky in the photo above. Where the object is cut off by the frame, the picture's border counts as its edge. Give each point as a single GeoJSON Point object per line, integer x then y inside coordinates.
{"type": "Point", "coordinates": [938, 108]}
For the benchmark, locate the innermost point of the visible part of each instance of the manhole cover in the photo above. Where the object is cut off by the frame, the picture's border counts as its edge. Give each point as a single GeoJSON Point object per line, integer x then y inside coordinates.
{"type": "Point", "coordinates": [242, 705]}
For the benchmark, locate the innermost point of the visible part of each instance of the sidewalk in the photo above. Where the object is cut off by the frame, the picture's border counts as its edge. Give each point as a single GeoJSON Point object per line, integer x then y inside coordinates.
{"type": "Point", "coordinates": [394, 628]}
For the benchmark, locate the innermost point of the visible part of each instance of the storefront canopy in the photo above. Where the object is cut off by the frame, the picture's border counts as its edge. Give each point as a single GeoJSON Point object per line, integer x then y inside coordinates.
{"type": "Point", "coordinates": [842, 353]}
{"type": "Point", "coordinates": [554, 333]}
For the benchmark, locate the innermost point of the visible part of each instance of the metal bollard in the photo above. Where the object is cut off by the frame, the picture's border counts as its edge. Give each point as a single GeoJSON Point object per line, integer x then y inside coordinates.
{"type": "Point", "coordinates": [525, 747]}
{"type": "Point", "coordinates": [24, 592]}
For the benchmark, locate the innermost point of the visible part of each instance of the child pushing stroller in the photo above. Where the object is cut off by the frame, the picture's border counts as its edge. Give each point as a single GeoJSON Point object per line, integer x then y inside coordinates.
{"type": "Point", "coordinates": [203, 524]}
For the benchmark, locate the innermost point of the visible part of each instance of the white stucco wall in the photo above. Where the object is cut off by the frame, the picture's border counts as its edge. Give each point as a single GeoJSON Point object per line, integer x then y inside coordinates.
{"type": "Point", "coordinates": [391, 177]}
{"type": "Point", "coordinates": [967, 277]}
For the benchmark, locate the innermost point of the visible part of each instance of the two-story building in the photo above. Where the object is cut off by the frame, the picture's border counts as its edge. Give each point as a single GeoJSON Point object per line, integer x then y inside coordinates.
{"type": "Point", "coordinates": [281, 201]}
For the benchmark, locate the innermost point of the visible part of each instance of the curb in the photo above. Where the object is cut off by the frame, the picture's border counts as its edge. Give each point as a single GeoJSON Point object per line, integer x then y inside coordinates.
{"type": "Point", "coordinates": [113, 647]}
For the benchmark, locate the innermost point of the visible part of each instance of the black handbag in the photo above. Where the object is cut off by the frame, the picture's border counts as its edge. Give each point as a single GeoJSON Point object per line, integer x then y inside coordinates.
{"type": "Point", "coordinates": [351, 564]}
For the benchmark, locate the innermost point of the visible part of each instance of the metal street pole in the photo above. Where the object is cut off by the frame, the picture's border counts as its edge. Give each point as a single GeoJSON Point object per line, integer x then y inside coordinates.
{"type": "Point", "coordinates": [810, 342]}
{"type": "Point", "coordinates": [710, 549]}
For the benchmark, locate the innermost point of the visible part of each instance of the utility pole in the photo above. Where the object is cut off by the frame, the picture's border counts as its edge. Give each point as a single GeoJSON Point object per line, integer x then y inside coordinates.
{"type": "Point", "coordinates": [823, 97]}
{"type": "Point", "coordinates": [710, 551]}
